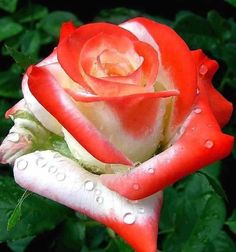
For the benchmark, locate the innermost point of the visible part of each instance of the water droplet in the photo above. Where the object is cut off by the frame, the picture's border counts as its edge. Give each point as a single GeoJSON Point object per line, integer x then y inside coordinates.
{"type": "Point", "coordinates": [41, 162]}
{"type": "Point", "coordinates": [89, 185]}
{"type": "Point", "coordinates": [22, 164]}
{"type": "Point", "coordinates": [99, 200]}
{"type": "Point", "coordinates": [129, 218]}
{"type": "Point", "coordinates": [151, 170]}
{"type": "Point", "coordinates": [203, 69]}
{"type": "Point", "coordinates": [60, 176]}
{"type": "Point", "coordinates": [198, 91]}
{"type": "Point", "coordinates": [141, 210]}
{"type": "Point", "coordinates": [136, 187]}
{"type": "Point", "coordinates": [197, 110]}
{"type": "Point", "coordinates": [52, 169]}
{"type": "Point", "coordinates": [209, 144]}
{"type": "Point", "coordinates": [13, 137]}
{"type": "Point", "coordinates": [97, 192]}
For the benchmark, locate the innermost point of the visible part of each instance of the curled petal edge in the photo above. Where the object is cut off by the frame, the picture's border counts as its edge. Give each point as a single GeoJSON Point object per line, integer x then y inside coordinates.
{"type": "Point", "coordinates": [198, 143]}
{"type": "Point", "coordinates": [63, 180]}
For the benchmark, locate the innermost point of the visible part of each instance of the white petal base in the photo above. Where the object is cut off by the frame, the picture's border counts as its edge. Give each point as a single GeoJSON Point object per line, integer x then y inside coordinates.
{"type": "Point", "coordinates": [63, 180]}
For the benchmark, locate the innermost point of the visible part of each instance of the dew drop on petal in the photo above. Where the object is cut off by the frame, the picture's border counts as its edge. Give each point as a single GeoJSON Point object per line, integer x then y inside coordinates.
{"type": "Point", "coordinates": [151, 170]}
{"type": "Point", "coordinates": [99, 200]}
{"type": "Point", "coordinates": [22, 164]}
{"type": "Point", "coordinates": [60, 176]}
{"type": "Point", "coordinates": [52, 169]}
{"type": "Point", "coordinates": [13, 137]}
{"type": "Point", "coordinates": [41, 162]}
{"type": "Point", "coordinates": [198, 91]}
{"type": "Point", "coordinates": [209, 144]}
{"type": "Point", "coordinates": [136, 187]}
{"type": "Point", "coordinates": [89, 185]}
{"type": "Point", "coordinates": [141, 210]}
{"type": "Point", "coordinates": [197, 110]}
{"type": "Point", "coordinates": [129, 218]}
{"type": "Point", "coordinates": [203, 69]}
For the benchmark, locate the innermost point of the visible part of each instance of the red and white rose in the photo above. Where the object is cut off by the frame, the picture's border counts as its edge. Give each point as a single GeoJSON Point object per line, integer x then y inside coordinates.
{"type": "Point", "coordinates": [134, 110]}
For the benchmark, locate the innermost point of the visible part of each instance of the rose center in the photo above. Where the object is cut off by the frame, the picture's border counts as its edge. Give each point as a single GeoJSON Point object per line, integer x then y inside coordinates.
{"type": "Point", "coordinates": [114, 63]}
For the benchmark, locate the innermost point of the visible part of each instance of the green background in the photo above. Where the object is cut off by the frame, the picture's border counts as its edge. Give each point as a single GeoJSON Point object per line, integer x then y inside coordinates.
{"type": "Point", "coordinates": [197, 215]}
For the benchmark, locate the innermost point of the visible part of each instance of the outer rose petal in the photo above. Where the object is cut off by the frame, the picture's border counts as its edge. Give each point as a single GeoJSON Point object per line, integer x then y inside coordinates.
{"type": "Point", "coordinates": [59, 104]}
{"type": "Point", "coordinates": [176, 66]}
{"type": "Point", "coordinates": [47, 120]}
{"type": "Point", "coordinates": [61, 179]}
{"type": "Point", "coordinates": [221, 108]}
{"type": "Point", "coordinates": [200, 142]}
{"type": "Point", "coordinates": [67, 29]}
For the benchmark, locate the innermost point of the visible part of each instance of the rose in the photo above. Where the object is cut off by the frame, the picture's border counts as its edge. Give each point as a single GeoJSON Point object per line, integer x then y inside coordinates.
{"type": "Point", "coordinates": [119, 96]}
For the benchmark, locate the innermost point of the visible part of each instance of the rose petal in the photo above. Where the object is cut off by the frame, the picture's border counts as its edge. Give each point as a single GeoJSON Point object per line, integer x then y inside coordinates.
{"type": "Point", "coordinates": [59, 104]}
{"type": "Point", "coordinates": [134, 123]}
{"type": "Point", "coordinates": [67, 29]}
{"type": "Point", "coordinates": [69, 50]}
{"type": "Point", "coordinates": [144, 74]}
{"type": "Point", "coordinates": [221, 108]}
{"type": "Point", "coordinates": [61, 179]}
{"type": "Point", "coordinates": [200, 142]}
{"type": "Point", "coordinates": [18, 106]}
{"type": "Point", "coordinates": [176, 66]}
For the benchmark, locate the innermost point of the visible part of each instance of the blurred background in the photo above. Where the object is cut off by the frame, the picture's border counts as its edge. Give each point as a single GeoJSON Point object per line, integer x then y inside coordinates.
{"type": "Point", "coordinates": [28, 32]}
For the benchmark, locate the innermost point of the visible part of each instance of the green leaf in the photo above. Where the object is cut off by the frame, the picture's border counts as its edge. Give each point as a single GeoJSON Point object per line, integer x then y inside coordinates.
{"type": "Point", "coordinates": [71, 236]}
{"type": "Point", "coordinates": [20, 58]}
{"type": "Point", "coordinates": [30, 42]}
{"type": "Point", "coordinates": [215, 185]}
{"type": "Point", "coordinates": [10, 85]}
{"type": "Point", "coordinates": [16, 214]}
{"type": "Point", "coordinates": [232, 2]}
{"type": "Point", "coordinates": [207, 226]}
{"type": "Point", "coordinates": [223, 243]}
{"type": "Point", "coordinates": [231, 222]}
{"type": "Point", "coordinates": [196, 31]}
{"type": "Point", "coordinates": [199, 215]}
{"type": "Point", "coordinates": [8, 5]}
{"type": "Point", "coordinates": [167, 215]}
{"type": "Point", "coordinates": [9, 28]}
{"type": "Point", "coordinates": [116, 15]}
{"type": "Point", "coordinates": [37, 213]}
{"type": "Point", "coordinates": [20, 245]}
{"type": "Point", "coordinates": [31, 13]}
{"type": "Point", "coordinates": [51, 23]}
{"type": "Point", "coordinates": [219, 25]}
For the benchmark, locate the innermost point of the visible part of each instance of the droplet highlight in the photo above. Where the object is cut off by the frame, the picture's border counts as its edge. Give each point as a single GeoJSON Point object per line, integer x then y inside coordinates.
{"type": "Point", "coordinates": [41, 162]}
{"type": "Point", "coordinates": [22, 164]}
{"type": "Point", "coordinates": [141, 210]}
{"type": "Point", "coordinates": [203, 69]}
{"type": "Point", "coordinates": [99, 200]}
{"type": "Point", "coordinates": [197, 91]}
{"type": "Point", "coordinates": [129, 218]}
{"type": "Point", "coordinates": [197, 110]}
{"type": "Point", "coordinates": [151, 170]}
{"type": "Point", "coordinates": [60, 176]}
{"type": "Point", "coordinates": [13, 137]}
{"type": "Point", "coordinates": [209, 144]}
{"type": "Point", "coordinates": [89, 185]}
{"type": "Point", "coordinates": [52, 169]}
{"type": "Point", "coordinates": [136, 187]}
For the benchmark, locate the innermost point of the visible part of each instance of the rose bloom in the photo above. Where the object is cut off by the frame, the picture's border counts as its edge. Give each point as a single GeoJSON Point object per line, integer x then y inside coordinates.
{"type": "Point", "coordinates": [114, 115]}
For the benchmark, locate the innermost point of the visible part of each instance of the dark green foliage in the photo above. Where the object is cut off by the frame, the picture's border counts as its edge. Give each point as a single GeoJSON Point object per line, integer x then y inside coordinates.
{"type": "Point", "coordinates": [194, 217]}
